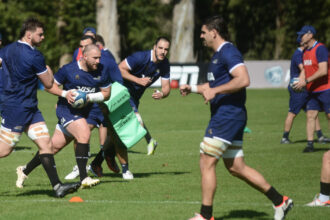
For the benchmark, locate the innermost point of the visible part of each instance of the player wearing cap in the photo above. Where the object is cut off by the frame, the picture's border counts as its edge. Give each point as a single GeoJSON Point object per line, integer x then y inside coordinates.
{"type": "Point", "coordinates": [315, 61]}
{"type": "Point", "coordinates": [298, 96]}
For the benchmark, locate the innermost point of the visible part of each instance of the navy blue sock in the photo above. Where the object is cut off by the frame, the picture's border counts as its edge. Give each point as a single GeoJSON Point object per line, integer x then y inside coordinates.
{"type": "Point", "coordinates": [274, 196]}
{"type": "Point", "coordinates": [310, 143]}
{"type": "Point", "coordinates": [286, 134]}
{"type": "Point", "coordinates": [319, 133]}
{"type": "Point", "coordinates": [325, 188]}
{"type": "Point", "coordinates": [124, 167]}
{"type": "Point", "coordinates": [206, 211]}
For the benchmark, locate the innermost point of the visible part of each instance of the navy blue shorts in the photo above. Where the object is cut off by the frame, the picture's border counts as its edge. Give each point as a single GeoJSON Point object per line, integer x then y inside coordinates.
{"type": "Point", "coordinates": [297, 100]}
{"type": "Point", "coordinates": [228, 130]}
{"type": "Point", "coordinates": [66, 116]}
{"type": "Point", "coordinates": [95, 117]}
{"type": "Point", "coordinates": [319, 101]}
{"type": "Point", "coordinates": [17, 118]}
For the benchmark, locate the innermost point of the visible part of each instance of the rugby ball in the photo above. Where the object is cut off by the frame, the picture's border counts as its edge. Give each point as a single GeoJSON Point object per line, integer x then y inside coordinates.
{"type": "Point", "coordinates": [293, 81]}
{"type": "Point", "coordinates": [79, 100]}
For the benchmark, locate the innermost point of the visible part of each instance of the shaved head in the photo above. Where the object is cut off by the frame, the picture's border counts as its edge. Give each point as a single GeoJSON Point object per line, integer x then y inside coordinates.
{"type": "Point", "coordinates": [90, 47]}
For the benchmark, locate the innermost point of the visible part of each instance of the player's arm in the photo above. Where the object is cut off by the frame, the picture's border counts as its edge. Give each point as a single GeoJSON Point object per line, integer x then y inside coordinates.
{"type": "Point", "coordinates": [101, 96]}
{"type": "Point", "coordinates": [302, 80]}
{"type": "Point", "coordinates": [125, 72]}
{"type": "Point", "coordinates": [56, 90]}
{"type": "Point", "coordinates": [239, 81]}
{"type": "Point", "coordinates": [165, 90]}
{"type": "Point", "coordinates": [185, 89]}
{"type": "Point", "coordinates": [47, 78]}
{"type": "Point", "coordinates": [322, 71]}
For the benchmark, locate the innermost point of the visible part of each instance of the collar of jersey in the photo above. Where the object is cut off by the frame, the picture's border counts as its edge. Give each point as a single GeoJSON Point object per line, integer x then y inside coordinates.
{"type": "Point", "coordinates": [219, 48]}
{"type": "Point", "coordinates": [22, 42]}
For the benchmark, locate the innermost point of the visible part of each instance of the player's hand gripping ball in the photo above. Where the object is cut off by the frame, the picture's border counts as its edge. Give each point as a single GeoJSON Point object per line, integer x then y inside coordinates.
{"type": "Point", "coordinates": [80, 99]}
{"type": "Point", "coordinates": [293, 81]}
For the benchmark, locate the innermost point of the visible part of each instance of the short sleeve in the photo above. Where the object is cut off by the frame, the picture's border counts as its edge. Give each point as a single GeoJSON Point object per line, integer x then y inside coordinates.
{"type": "Point", "coordinates": [233, 58]}
{"type": "Point", "coordinates": [134, 60]}
{"type": "Point", "coordinates": [322, 54]}
{"type": "Point", "coordinates": [38, 63]}
{"type": "Point", "coordinates": [60, 76]}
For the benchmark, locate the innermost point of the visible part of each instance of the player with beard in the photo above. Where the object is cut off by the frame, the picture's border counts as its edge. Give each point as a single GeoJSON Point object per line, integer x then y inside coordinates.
{"type": "Point", "coordinates": [22, 66]}
{"type": "Point", "coordinates": [143, 68]}
{"type": "Point", "coordinates": [86, 75]}
{"type": "Point", "coordinates": [225, 90]}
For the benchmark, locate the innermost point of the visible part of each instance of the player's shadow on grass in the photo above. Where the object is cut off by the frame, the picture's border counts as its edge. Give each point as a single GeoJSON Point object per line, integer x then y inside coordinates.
{"type": "Point", "coordinates": [142, 175]}
{"type": "Point", "coordinates": [18, 148]}
{"type": "Point", "coordinates": [50, 193]}
{"type": "Point", "coordinates": [129, 151]}
{"type": "Point", "coordinates": [248, 214]}
{"type": "Point", "coordinates": [135, 152]}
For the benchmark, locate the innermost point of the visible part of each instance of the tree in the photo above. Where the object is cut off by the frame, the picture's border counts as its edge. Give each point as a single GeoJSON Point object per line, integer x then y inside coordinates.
{"type": "Point", "coordinates": [182, 43]}
{"type": "Point", "coordinates": [107, 25]}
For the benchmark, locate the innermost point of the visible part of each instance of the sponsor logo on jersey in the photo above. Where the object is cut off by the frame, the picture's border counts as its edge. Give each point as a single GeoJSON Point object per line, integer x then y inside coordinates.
{"type": "Point", "coordinates": [97, 78]}
{"type": "Point", "coordinates": [86, 89]}
{"type": "Point", "coordinates": [307, 62]}
{"type": "Point", "coordinates": [215, 61]}
{"type": "Point", "coordinates": [210, 76]}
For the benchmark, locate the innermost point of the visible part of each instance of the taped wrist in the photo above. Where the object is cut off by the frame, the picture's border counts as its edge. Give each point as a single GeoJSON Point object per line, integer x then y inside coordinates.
{"type": "Point", "coordinates": [194, 88]}
{"type": "Point", "coordinates": [95, 97]}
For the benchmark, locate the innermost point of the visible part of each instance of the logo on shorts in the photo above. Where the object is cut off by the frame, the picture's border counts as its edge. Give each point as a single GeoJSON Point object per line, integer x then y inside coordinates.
{"type": "Point", "coordinates": [210, 131]}
{"type": "Point", "coordinates": [77, 77]}
{"type": "Point", "coordinates": [62, 121]}
{"type": "Point", "coordinates": [18, 127]}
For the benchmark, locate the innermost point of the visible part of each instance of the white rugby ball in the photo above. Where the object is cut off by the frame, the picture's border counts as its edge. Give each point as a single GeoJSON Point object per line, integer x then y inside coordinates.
{"type": "Point", "coordinates": [293, 81]}
{"type": "Point", "coordinates": [80, 99]}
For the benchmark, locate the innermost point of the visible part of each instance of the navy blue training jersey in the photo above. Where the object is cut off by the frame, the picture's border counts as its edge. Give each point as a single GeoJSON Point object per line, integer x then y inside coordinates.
{"type": "Point", "coordinates": [106, 58]}
{"type": "Point", "coordinates": [296, 60]}
{"type": "Point", "coordinates": [71, 76]}
{"type": "Point", "coordinates": [223, 62]}
{"type": "Point", "coordinates": [141, 65]}
{"type": "Point", "coordinates": [22, 64]}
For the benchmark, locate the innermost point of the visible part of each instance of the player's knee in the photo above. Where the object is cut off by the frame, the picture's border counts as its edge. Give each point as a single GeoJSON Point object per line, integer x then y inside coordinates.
{"type": "Point", "coordinates": [39, 131]}
{"type": "Point", "coordinates": [326, 157]}
{"type": "Point", "coordinates": [9, 138]}
{"type": "Point", "coordinates": [5, 151]}
{"type": "Point", "coordinates": [213, 147]}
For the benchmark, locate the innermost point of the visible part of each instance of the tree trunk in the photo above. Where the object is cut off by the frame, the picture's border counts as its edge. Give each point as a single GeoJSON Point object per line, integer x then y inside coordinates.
{"type": "Point", "coordinates": [279, 32]}
{"type": "Point", "coordinates": [182, 45]}
{"type": "Point", "coordinates": [107, 25]}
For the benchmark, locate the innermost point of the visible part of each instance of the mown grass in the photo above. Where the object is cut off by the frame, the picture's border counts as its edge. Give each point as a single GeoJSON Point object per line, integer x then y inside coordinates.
{"type": "Point", "coordinates": [167, 184]}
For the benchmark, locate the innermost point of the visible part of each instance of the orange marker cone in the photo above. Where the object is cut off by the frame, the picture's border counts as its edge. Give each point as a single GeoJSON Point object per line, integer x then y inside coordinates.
{"type": "Point", "coordinates": [76, 199]}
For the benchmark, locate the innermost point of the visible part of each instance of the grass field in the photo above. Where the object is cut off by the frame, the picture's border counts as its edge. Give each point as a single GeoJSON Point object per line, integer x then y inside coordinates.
{"type": "Point", "coordinates": [167, 184]}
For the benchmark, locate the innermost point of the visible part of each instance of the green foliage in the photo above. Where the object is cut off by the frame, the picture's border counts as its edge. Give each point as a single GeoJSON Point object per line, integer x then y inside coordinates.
{"type": "Point", "coordinates": [141, 22]}
{"type": "Point", "coordinates": [252, 24]}
{"type": "Point", "coordinates": [64, 22]}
